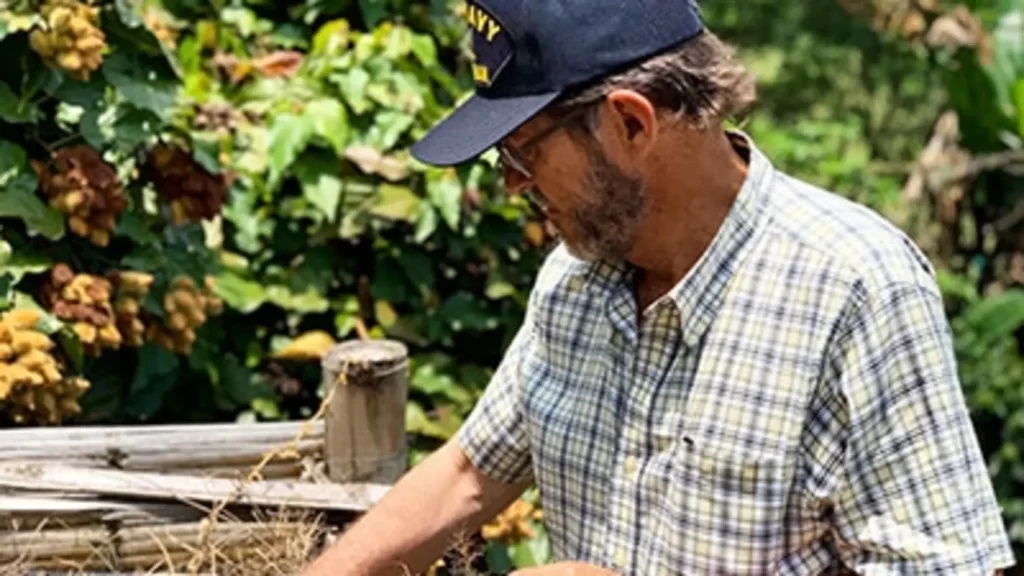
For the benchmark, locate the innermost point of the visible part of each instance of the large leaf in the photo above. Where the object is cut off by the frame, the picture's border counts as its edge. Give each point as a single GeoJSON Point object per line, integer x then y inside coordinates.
{"type": "Point", "coordinates": [86, 94]}
{"type": "Point", "coordinates": [997, 317]}
{"type": "Point", "coordinates": [17, 110]}
{"type": "Point", "coordinates": [155, 376]}
{"type": "Point", "coordinates": [396, 203]}
{"type": "Point", "coordinates": [373, 11]}
{"type": "Point", "coordinates": [140, 85]}
{"type": "Point", "coordinates": [18, 264]}
{"type": "Point", "coordinates": [238, 293]}
{"type": "Point", "coordinates": [288, 136]}
{"type": "Point", "coordinates": [308, 301]}
{"type": "Point", "coordinates": [18, 200]}
{"type": "Point", "coordinates": [352, 85]}
{"type": "Point", "coordinates": [12, 157]}
{"type": "Point", "coordinates": [329, 121]}
{"type": "Point", "coordinates": [445, 192]}
{"type": "Point", "coordinates": [319, 175]}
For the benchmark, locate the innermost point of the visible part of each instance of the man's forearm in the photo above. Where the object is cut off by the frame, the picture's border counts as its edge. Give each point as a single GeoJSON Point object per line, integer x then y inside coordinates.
{"type": "Point", "coordinates": [417, 520]}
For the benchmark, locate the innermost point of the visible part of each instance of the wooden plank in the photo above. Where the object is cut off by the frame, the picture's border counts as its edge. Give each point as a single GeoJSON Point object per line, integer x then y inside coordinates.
{"type": "Point", "coordinates": [87, 434]}
{"type": "Point", "coordinates": [58, 477]}
{"type": "Point", "coordinates": [122, 445]}
{"type": "Point", "coordinates": [44, 511]}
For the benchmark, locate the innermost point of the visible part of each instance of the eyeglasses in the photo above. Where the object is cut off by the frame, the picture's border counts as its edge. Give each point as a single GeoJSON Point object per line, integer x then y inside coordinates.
{"type": "Point", "coordinates": [515, 156]}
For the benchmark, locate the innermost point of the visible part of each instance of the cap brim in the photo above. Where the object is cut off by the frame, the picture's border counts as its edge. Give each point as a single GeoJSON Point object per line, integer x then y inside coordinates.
{"type": "Point", "coordinates": [476, 125]}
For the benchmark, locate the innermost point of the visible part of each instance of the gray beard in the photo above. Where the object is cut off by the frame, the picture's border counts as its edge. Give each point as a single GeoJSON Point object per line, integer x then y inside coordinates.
{"type": "Point", "coordinates": [607, 222]}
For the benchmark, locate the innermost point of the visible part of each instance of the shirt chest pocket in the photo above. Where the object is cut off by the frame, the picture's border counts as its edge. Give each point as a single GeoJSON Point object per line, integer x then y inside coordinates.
{"type": "Point", "coordinates": [724, 512]}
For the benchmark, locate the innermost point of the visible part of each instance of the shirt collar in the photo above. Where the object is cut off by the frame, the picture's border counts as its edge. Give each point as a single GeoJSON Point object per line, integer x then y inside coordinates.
{"type": "Point", "coordinates": [699, 295]}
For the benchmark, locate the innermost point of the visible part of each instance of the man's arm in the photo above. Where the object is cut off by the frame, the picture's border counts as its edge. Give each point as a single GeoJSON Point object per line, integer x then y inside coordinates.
{"type": "Point", "coordinates": [454, 491]}
{"type": "Point", "coordinates": [912, 492]}
{"type": "Point", "coordinates": [416, 521]}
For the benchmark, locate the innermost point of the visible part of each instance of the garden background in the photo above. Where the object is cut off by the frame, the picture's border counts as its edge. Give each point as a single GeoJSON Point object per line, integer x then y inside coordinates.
{"type": "Point", "coordinates": [202, 196]}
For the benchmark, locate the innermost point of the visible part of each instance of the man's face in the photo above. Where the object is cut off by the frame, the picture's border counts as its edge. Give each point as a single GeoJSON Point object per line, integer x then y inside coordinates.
{"type": "Point", "coordinates": [594, 205]}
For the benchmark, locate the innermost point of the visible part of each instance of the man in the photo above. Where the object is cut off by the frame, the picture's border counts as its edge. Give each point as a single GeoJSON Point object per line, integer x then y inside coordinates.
{"type": "Point", "coordinates": [722, 369]}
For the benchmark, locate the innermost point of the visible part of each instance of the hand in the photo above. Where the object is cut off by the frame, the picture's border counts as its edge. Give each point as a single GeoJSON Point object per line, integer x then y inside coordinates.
{"type": "Point", "coordinates": [564, 569]}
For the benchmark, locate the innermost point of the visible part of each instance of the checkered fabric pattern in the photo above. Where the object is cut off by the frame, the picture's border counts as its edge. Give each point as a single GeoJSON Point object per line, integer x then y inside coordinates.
{"type": "Point", "coordinates": [790, 407]}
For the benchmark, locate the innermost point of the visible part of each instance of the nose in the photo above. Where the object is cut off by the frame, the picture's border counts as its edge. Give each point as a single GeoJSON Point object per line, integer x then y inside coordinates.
{"type": "Point", "coordinates": [515, 181]}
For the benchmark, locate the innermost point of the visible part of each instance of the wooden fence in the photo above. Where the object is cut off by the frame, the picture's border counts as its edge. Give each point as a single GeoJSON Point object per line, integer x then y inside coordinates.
{"type": "Point", "coordinates": [158, 498]}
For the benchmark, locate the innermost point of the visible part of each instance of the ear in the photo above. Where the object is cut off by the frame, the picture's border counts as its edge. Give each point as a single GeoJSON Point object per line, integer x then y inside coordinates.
{"type": "Point", "coordinates": [631, 122]}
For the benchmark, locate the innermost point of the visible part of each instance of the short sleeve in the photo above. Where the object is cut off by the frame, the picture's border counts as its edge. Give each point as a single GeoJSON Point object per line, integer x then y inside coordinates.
{"type": "Point", "coordinates": [913, 494]}
{"type": "Point", "coordinates": [494, 435]}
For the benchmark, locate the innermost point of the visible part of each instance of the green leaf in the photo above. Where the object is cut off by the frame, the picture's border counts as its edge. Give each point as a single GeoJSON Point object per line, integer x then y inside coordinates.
{"type": "Point", "coordinates": [131, 225]}
{"type": "Point", "coordinates": [534, 551]}
{"type": "Point", "coordinates": [17, 110]}
{"type": "Point", "coordinates": [17, 18]}
{"type": "Point", "coordinates": [48, 323]}
{"type": "Point", "coordinates": [332, 38]}
{"type": "Point", "coordinates": [329, 121]}
{"type": "Point", "coordinates": [997, 317]}
{"type": "Point", "coordinates": [307, 302]}
{"type": "Point", "coordinates": [134, 126]}
{"type": "Point", "coordinates": [21, 263]}
{"type": "Point", "coordinates": [288, 136]}
{"type": "Point", "coordinates": [12, 157]}
{"type": "Point", "coordinates": [417, 422]}
{"type": "Point", "coordinates": [389, 125]}
{"type": "Point", "coordinates": [206, 151]}
{"type": "Point", "coordinates": [85, 94]}
{"type": "Point", "coordinates": [90, 128]}
{"type": "Point", "coordinates": [155, 376]}
{"type": "Point", "coordinates": [425, 50]}
{"type": "Point", "coordinates": [373, 11]}
{"type": "Point", "coordinates": [320, 178]}
{"type": "Point", "coordinates": [127, 14]}
{"type": "Point", "coordinates": [140, 85]}
{"type": "Point", "coordinates": [18, 200]}
{"type": "Point", "coordinates": [352, 85]}
{"type": "Point", "coordinates": [240, 294]}
{"type": "Point", "coordinates": [426, 222]}
{"type": "Point", "coordinates": [40, 78]}
{"type": "Point", "coordinates": [395, 203]}
{"type": "Point", "coordinates": [1018, 100]}
{"type": "Point", "coordinates": [398, 43]}
{"type": "Point", "coordinates": [445, 193]}
{"type": "Point", "coordinates": [499, 290]}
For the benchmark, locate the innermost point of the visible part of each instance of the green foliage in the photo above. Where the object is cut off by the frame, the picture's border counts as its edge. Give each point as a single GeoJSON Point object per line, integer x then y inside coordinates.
{"type": "Point", "coordinates": [292, 123]}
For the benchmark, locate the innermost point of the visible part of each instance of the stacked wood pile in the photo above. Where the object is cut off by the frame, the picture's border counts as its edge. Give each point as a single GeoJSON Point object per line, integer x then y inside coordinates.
{"type": "Point", "coordinates": [218, 499]}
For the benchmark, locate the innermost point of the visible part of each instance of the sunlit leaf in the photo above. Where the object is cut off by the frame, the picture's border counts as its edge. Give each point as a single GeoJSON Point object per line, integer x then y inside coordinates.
{"type": "Point", "coordinates": [353, 84]}
{"type": "Point", "coordinates": [424, 48]}
{"type": "Point", "coordinates": [370, 161]}
{"type": "Point", "coordinates": [329, 121]}
{"type": "Point", "coordinates": [385, 313]}
{"type": "Point", "coordinates": [288, 135]}
{"type": "Point", "coordinates": [395, 203]}
{"type": "Point", "coordinates": [445, 193]}
{"type": "Point", "coordinates": [238, 293]}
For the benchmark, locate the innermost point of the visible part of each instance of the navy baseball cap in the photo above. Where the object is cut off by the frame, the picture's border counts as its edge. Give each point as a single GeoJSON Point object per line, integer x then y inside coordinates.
{"type": "Point", "coordinates": [529, 52]}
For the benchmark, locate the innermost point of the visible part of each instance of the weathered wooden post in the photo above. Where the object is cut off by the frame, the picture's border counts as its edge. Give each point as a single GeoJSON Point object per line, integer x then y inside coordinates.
{"type": "Point", "coordinates": [365, 422]}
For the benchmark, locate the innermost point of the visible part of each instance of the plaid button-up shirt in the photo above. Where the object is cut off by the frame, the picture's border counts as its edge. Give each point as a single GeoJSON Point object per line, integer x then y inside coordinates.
{"type": "Point", "coordinates": [790, 407]}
